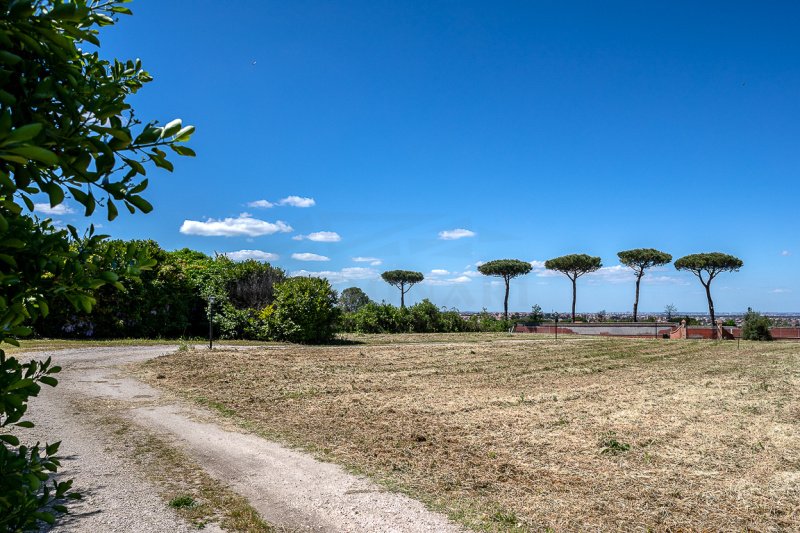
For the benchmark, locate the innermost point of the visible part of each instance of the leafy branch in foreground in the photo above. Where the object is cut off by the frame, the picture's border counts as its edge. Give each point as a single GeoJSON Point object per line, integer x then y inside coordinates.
{"type": "Point", "coordinates": [66, 130]}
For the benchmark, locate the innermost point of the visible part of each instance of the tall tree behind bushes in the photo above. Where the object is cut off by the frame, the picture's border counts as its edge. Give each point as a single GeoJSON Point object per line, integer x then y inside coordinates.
{"type": "Point", "coordinates": [352, 299]}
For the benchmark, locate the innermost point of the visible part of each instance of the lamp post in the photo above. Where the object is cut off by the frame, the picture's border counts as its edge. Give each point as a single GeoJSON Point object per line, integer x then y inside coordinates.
{"type": "Point", "coordinates": [210, 322]}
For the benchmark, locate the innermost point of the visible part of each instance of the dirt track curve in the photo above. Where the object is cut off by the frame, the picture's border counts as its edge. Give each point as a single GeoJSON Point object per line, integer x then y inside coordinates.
{"type": "Point", "coordinates": [290, 489]}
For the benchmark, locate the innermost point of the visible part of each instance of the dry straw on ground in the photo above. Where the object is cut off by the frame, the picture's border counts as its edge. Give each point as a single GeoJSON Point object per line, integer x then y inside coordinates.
{"type": "Point", "coordinates": [525, 433]}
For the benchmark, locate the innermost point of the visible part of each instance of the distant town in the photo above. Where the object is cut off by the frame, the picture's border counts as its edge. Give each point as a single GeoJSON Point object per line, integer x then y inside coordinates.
{"type": "Point", "coordinates": [692, 318]}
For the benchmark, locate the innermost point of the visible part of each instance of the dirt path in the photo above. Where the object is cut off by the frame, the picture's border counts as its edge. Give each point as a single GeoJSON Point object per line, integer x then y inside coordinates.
{"type": "Point", "coordinates": [288, 488]}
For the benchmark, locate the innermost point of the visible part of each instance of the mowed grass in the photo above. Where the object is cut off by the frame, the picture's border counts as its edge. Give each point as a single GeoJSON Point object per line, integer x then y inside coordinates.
{"type": "Point", "coordinates": [523, 433]}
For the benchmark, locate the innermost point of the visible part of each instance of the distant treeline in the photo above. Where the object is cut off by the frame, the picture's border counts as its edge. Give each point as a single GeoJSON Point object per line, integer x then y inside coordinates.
{"type": "Point", "coordinates": [172, 300]}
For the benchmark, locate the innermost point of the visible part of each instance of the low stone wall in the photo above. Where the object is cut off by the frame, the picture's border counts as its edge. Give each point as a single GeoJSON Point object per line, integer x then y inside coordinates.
{"type": "Point", "coordinates": [617, 329]}
{"type": "Point", "coordinates": [651, 330]}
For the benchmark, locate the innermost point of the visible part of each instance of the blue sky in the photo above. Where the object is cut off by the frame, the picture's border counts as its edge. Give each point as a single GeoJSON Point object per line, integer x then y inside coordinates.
{"type": "Point", "coordinates": [542, 128]}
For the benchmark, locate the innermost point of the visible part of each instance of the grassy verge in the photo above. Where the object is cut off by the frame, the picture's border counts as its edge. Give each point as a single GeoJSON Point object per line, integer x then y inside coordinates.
{"type": "Point", "coordinates": [39, 345]}
{"type": "Point", "coordinates": [182, 483]}
{"type": "Point", "coordinates": [527, 434]}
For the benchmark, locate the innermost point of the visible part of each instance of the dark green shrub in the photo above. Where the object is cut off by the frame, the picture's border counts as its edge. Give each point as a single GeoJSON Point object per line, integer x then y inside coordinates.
{"type": "Point", "coordinates": [304, 311]}
{"type": "Point", "coordinates": [756, 327]}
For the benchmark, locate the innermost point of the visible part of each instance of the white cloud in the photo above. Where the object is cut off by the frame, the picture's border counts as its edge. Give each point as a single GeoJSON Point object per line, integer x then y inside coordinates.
{"type": "Point", "coordinates": [345, 275]}
{"type": "Point", "coordinates": [783, 253]}
{"type": "Point", "coordinates": [458, 233]}
{"type": "Point", "coordinates": [540, 271]}
{"type": "Point", "coordinates": [614, 274]}
{"type": "Point", "coordinates": [320, 236]}
{"type": "Point", "coordinates": [297, 201]}
{"type": "Point", "coordinates": [374, 261]}
{"type": "Point", "coordinates": [242, 226]}
{"type": "Point", "coordinates": [310, 257]}
{"type": "Point", "coordinates": [437, 277]}
{"type": "Point", "coordinates": [60, 209]}
{"type": "Point", "coordinates": [780, 291]}
{"type": "Point", "coordinates": [260, 204]}
{"type": "Point", "coordinates": [258, 255]}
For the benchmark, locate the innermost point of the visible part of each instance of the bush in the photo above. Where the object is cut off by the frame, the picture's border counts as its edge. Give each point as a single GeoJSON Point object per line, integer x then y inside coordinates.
{"type": "Point", "coordinates": [376, 318]}
{"type": "Point", "coordinates": [304, 311]}
{"type": "Point", "coordinates": [756, 327]}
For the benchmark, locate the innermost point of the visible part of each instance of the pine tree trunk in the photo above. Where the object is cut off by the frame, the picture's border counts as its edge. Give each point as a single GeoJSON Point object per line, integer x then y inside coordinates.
{"type": "Point", "coordinates": [505, 302]}
{"type": "Point", "coordinates": [711, 309]}
{"type": "Point", "coordinates": [402, 296]}
{"type": "Point", "coordinates": [636, 301]}
{"type": "Point", "coordinates": [574, 297]}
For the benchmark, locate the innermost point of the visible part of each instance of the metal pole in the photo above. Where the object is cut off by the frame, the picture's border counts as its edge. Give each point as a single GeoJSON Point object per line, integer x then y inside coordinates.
{"type": "Point", "coordinates": [211, 323]}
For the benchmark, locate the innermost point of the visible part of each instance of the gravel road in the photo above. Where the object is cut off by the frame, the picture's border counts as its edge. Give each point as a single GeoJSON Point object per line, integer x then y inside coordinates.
{"type": "Point", "coordinates": [289, 488]}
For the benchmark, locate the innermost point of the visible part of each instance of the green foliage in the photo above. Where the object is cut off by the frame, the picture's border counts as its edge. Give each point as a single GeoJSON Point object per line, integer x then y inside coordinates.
{"type": "Point", "coordinates": [756, 326]}
{"type": "Point", "coordinates": [305, 311]}
{"type": "Point", "coordinates": [65, 124]}
{"type": "Point", "coordinates": [184, 501]}
{"type": "Point", "coordinates": [536, 315]}
{"type": "Point", "coordinates": [403, 280]}
{"type": "Point", "coordinates": [25, 490]}
{"type": "Point", "coordinates": [710, 264]}
{"type": "Point", "coordinates": [422, 317]}
{"type": "Point", "coordinates": [609, 444]}
{"type": "Point", "coordinates": [574, 265]}
{"type": "Point", "coordinates": [506, 269]}
{"type": "Point", "coordinates": [706, 267]}
{"type": "Point", "coordinates": [352, 299]}
{"type": "Point", "coordinates": [376, 318]}
{"type": "Point", "coordinates": [65, 129]}
{"type": "Point", "coordinates": [640, 259]}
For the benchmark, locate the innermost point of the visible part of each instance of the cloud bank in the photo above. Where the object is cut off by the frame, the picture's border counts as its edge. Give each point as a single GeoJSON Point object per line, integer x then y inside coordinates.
{"type": "Point", "coordinates": [242, 226]}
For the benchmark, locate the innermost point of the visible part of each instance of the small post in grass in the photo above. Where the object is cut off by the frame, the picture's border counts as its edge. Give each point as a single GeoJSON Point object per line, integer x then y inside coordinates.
{"type": "Point", "coordinates": [556, 315]}
{"type": "Point", "coordinates": [210, 322]}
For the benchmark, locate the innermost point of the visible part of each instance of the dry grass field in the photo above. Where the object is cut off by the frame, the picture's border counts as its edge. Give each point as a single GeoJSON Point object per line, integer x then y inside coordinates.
{"type": "Point", "coordinates": [523, 433]}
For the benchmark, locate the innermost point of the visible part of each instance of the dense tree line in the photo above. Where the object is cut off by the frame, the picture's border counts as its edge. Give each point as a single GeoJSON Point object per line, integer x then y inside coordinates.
{"type": "Point", "coordinates": [170, 299]}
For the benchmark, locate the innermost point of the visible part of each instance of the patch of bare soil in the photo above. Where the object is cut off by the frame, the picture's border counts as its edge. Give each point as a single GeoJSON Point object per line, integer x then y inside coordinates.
{"type": "Point", "coordinates": [532, 434]}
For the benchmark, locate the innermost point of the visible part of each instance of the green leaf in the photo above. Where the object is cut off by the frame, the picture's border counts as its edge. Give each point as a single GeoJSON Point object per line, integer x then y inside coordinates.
{"type": "Point", "coordinates": [143, 205]}
{"type": "Point", "coordinates": [35, 153]}
{"type": "Point", "coordinates": [172, 128]}
{"type": "Point", "coordinates": [21, 384]}
{"type": "Point", "coordinates": [112, 210]}
{"type": "Point", "coordinates": [55, 192]}
{"type": "Point", "coordinates": [45, 517]}
{"type": "Point", "coordinates": [11, 439]}
{"type": "Point", "coordinates": [23, 133]}
{"type": "Point", "coordinates": [183, 150]}
{"type": "Point", "coordinates": [185, 134]}
{"type": "Point", "coordinates": [47, 380]}
{"type": "Point", "coordinates": [51, 449]}
{"type": "Point", "coordinates": [26, 424]}
{"type": "Point", "coordinates": [7, 58]}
